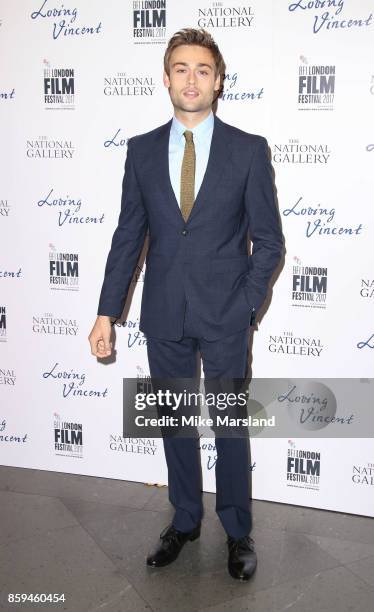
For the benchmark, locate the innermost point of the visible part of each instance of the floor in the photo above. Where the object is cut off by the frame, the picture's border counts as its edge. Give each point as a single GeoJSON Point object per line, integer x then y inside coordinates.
{"type": "Point", "coordinates": [88, 537]}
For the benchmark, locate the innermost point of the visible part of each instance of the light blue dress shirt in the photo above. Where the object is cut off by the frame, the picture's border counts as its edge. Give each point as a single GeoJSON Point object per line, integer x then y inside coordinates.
{"type": "Point", "coordinates": [202, 137]}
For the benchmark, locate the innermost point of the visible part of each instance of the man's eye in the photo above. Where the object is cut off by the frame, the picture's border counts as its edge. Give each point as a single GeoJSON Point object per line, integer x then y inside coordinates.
{"type": "Point", "coordinates": [204, 72]}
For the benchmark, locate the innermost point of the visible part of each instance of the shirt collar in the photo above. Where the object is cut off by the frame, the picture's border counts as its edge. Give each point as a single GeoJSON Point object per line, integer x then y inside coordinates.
{"type": "Point", "coordinates": [201, 131]}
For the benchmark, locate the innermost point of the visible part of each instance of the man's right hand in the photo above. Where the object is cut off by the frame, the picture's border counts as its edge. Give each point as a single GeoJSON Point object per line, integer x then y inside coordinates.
{"type": "Point", "coordinates": [99, 337]}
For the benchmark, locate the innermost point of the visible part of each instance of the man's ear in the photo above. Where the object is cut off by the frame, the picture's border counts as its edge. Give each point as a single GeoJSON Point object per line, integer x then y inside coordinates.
{"type": "Point", "coordinates": [217, 83]}
{"type": "Point", "coordinates": [166, 80]}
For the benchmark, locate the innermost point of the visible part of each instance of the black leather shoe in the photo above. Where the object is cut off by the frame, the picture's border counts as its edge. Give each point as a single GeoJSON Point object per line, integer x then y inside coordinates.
{"type": "Point", "coordinates": [242, 560]}
{"type": "Point", "coordinates": [172, 542]}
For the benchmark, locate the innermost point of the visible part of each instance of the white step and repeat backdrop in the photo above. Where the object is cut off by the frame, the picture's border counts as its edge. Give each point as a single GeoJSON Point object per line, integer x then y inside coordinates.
{"type": "Point", "coordinates": [77, 80]}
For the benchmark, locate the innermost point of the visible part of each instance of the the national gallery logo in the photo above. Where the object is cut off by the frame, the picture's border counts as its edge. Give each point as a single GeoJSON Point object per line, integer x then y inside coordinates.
{"type": "Point", "coordinates": [298, 152]}
{"type": "Point", "coordinates": [63, 270]}
{"type": "Point", "coordinates": [64, 20]}
{"type": "Point", "coordinates": [303, 467]}
{"type": "Point", "coordinates": [44, 147]}
{"type": "Point", "coordinates": [50, 324]}
{"type": "Point", "coordinates": [67, 437]}
{"type": "Point", "coordinates": [309, 285]}
{"type": "Point", "coordinates": [135, 446]}
{"type": "Point", "coordinates": [130, 85]}
{"type": "Point", "coordinates": [316, 86]}
{"type": "Point", "coordinates": [8, 377]}
{"type": "Point", "coordinates": [4, 208]}
{"type": "Point", "coordinates": [225, 15]}
{"type": "Point", "coordinates": [58, 87]}
{"type": "Point", "coordinates": [367, 288]}
{"type": "Point", "coordinates": [363, 474]}
{"type": "Point", "coordinates": [149, 21]}
{"type": "Point", "coordinates": [288, 343]}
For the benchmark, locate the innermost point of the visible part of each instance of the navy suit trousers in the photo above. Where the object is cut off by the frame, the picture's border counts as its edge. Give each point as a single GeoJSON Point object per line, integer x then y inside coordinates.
{"type": "Point", "coordinates": [227, 358]}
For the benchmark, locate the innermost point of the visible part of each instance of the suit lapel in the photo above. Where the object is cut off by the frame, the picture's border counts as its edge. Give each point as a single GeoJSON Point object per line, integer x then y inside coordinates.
{"type": "Point", "coordinates": [219, 155]}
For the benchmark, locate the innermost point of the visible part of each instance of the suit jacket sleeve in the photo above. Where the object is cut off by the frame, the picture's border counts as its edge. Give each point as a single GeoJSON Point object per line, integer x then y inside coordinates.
{"type": "Point", "coordinates": [127, 243]}
{"type": "Point", "coordinates": [264, 227]}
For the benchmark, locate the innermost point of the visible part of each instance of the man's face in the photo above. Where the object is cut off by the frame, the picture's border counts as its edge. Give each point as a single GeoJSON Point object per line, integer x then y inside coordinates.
{"type": "Point", "coordinates": [192, 81]}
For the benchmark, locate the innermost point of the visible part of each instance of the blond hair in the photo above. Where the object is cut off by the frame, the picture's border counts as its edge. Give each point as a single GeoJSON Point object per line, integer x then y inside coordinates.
{"type": "Point", "coordinates": [200, 37]}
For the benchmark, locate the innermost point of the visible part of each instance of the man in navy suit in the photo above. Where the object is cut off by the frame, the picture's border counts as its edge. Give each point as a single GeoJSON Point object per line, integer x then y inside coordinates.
{"type": "Point", "coordinates": [198, 186]}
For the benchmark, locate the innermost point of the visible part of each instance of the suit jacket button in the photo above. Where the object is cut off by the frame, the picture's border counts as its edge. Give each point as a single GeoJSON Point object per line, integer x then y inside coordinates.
{"type": "Point", "coordinates": [184, 232]}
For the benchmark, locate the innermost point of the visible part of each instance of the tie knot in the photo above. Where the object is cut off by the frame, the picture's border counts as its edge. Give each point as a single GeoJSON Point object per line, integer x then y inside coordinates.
{"type": "Point", "coordinates": [188, 136]}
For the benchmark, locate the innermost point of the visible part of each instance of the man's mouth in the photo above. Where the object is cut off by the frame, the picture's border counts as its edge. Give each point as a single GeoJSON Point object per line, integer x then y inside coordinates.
{"type": "Point", "coordinates": [191, 93]}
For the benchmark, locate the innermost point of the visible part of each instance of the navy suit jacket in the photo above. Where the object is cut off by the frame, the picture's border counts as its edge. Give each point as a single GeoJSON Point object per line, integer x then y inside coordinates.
{"type": "Point", "coordinates": [205, 260]}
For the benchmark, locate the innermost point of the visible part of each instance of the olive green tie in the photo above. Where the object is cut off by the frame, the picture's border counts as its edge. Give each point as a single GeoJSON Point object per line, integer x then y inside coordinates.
{"type": "Point", "coordinates": [188, 176]}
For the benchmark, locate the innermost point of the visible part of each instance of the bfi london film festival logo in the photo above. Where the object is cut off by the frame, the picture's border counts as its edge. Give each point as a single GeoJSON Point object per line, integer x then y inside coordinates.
{"type": "Point", "coordinates": [123, 84]}
{"type": "Point", "coordinates": [3, 329]}
{"type": "Point", "coordinates": [219, 15]}
{"type": "Point", "coordinates": [287, 343]}
{"type": "Point", "coordinates": [45, 147]}
{"type": "Point", "coordinates": [149, 22]}
{"type": "Point", "coordinates": [68, 437]}
{"type": "Point", "coordinates": [63, 270]}
{"type": "Point", "coordinates": [303, 467]}
{"type": "Point", "coordinates": [330, 20]}
{"type": "Point", "coordinates": [52, 325]}
{"type": "Point", "coordinates": [316, 86]}
{"type": "Point", "coordinates": [68, 209]}
{"type": "Point", "coordinates": [309, 285]}
{"type": "Point", "coordinates": [58, 87]}
{"type": "Point", "coordinates": [303, 153]}
{"type": "Point", "coordinates": [64, 20]}
{"type": "Point", "coordinates": [123, 443]}
{"type": "Point", "coordinates": [7, 377]}
{"type": "Point", "coordinates": [363, 474]}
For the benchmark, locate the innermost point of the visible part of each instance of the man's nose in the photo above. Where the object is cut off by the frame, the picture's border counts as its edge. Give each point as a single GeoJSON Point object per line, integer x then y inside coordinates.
{"type": "Point", "coordinates": [191, 78]}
